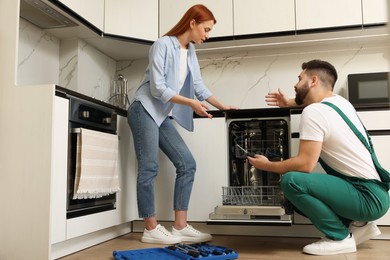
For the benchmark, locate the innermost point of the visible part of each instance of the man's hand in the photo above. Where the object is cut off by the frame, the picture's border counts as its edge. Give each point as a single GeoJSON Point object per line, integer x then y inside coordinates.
{"type": "Point", "coordinates": [259, 161]}
{"type": "Point", "coordinates": [279, 99]}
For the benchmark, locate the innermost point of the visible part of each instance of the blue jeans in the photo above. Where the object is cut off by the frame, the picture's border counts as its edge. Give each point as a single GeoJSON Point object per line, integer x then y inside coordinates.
{"type": "Point", "coordinates": [148, 139]}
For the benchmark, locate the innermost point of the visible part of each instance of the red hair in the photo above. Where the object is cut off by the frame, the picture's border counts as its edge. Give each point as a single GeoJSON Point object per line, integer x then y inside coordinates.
{"type": "Point", "coordinates": [199, 13]}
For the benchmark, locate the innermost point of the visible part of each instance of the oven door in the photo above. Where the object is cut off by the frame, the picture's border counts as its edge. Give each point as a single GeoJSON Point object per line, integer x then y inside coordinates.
{"type": "Point", "coordinates": [82, 207]}
{"type": "Point", "coordinates": [84, 114]}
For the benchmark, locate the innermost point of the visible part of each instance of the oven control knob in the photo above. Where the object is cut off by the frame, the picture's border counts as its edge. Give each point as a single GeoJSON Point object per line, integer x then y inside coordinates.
{"type": "Point", "coordinates": [107, 120]}
{"type": "Point", "coordinates": [84, 114]}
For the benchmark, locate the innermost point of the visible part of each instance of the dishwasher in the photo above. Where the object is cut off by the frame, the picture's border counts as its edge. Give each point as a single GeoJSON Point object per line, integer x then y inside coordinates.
{"type": "Point", "coordinates": [253, 195]}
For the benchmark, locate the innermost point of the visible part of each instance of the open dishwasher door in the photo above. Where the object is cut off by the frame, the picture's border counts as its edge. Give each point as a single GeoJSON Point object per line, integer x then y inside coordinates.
{"type": "Point", "coordinates": [254, 196]}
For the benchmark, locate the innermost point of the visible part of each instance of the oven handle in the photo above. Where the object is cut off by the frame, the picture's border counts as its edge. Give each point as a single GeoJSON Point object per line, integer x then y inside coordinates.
{"type": "Point", "coordinates": [77, 130]}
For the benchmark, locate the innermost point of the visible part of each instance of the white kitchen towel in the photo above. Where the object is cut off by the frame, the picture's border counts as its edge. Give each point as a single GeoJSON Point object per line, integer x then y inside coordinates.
{"type": "Point", "coordinates": [96, 165]}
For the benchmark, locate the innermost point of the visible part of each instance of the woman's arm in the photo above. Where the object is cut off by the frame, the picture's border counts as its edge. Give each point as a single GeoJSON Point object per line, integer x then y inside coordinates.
{"type": "Point", "coordinates": [218, 104]}
{"type": "Point", "coordinates": [199, 108]}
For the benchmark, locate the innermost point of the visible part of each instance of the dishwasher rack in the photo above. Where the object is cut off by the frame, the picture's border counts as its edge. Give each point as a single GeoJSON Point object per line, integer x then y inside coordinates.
{"type": "Point", "coordinates": [252, 196]}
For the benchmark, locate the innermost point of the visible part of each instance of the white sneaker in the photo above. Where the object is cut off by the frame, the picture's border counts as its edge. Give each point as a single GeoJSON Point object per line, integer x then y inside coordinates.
{"type": "Point", "coordinates": [331, 247]}
{"type": "Point", "coordinates": [159, 235]}
{"type": "Point", "coordinates": [190, 234]}
{"type": "Point", "coordinates": [364, 232]}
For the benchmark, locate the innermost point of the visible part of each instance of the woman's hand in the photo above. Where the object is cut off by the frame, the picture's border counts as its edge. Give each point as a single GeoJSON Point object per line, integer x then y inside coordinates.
{"type": "Point", "coordinates": [227, 107]}
{"type": "Point", "coordinates": [279, 99]}
{"type": "Point", "coordinates": [218, 104]}
{"type": "Point", "coordinates": [200, 108]}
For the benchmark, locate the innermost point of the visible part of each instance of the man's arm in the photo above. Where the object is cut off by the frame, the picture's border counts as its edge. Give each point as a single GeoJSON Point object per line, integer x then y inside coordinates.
{"type": "Point", "coordinates": [305, 161]}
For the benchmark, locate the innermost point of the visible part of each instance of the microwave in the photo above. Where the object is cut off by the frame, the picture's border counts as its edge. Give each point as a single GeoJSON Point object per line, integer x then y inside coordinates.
{"type": "Point", "coordinates": [369, 89]}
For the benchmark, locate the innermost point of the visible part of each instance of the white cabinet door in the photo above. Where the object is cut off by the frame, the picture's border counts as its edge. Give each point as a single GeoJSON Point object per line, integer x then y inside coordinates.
{"type": "Point", "coordinates": [375, 11]}
{"type": "Point", "coordinates": [208, 144]}
{"type": "Point", "coordinates": [132, 18]}
{"type": "Point", "coordinates": [266, 16]}
{"type": "Point", "coordinates": [127, 197]}
{"type": "Point", "coordinates": [90, 10]}
{"type": "Point", "coordinates": [381, 144]}
{"type": "Point", "coordinates": [379, 120]}
{"type": "Point", "coordinates": [327, 13]}
{"type": "Point", "coordinates": [59, 170]}
{"type": "Point", "coordinates": [171, 11]}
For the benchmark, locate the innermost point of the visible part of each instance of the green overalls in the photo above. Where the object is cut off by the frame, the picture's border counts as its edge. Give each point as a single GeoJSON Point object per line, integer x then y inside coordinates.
{"type": "Point", "coordinates": [332, 201]}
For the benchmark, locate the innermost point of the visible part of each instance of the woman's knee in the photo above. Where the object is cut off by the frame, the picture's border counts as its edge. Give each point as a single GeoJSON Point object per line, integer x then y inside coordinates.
{"type": "Point", "coordinates": [190, 164]}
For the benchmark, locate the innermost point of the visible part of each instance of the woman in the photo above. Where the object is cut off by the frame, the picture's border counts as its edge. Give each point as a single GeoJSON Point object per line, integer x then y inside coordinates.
{"type": "Point", "coordinates": [171, 81]}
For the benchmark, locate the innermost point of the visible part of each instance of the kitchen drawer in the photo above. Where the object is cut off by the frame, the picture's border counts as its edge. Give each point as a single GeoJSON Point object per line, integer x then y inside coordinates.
{"type": "Point", "coordinates": [375, 120]}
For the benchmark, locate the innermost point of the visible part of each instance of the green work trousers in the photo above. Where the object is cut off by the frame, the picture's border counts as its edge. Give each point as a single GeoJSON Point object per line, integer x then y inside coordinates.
{"type": "Point", "coordinates": [332, 203]}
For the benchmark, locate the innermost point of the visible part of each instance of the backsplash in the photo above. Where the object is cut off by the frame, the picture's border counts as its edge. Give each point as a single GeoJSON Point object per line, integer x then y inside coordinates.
{"type": "Point", "coordinates": [38, 54]}
{"type": "Point", "coordinates": [85, 69]}
{"type": "Point", "coordinates": [72, 64]}
{"type": "Point", "coordinates": [239, 78]}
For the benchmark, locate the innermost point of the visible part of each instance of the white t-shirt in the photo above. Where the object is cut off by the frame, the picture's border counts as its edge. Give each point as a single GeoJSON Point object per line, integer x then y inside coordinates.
{"type": "Point", "coordinates": [341, 148]}
{"type": "Point", "coordinates": [183, 70]}
{"type": "Point", "coordinates": [183, 67]}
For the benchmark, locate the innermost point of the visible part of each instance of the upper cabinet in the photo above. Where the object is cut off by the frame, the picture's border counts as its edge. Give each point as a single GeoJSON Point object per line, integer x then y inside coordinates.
{"type": "Point", "coordinates": [375, 12]}
{"type": "Point", "coordinates": [266, 16]}
{"type": "Point", "coordinates": [90, 10]}
{"type": "Point", "coordinates": [327, 13]}
{"type": "Point", "coordinates": [171, 11]}
{"type": "Point", "coordinates": [142, 22]}
{"type": "Point", "coordinates": [132, 18]}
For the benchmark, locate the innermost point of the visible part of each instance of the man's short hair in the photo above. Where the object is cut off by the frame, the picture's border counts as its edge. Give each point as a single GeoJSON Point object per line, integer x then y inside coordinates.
{"type": "Point", "coordinates": [326, 71]}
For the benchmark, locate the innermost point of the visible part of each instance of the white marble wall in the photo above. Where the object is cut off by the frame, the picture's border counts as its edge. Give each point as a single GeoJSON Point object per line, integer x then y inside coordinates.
{"type": "Point", "coordinates": [37, 56]}
{"type": "Point", "coordinates": [243, 78]}
{"type": "Point", "coordinates": [72, 64]}
{"type": "Point", "coordinates": [86, 70]}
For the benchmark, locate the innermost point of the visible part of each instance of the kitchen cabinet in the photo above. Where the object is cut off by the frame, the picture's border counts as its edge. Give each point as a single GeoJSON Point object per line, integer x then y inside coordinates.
{"type": "Point", "coordinates": [127, 203]}
{"type": "Point", "coordinates": [132, 18]}
{"type": "Point", "coordinates": [126, 198]}
{"type": "Point", "coordinates": [70, 235]}
{"type": "Point", "coordinates": [171, 11]}
{"type": "Point", "coordinates": [255, 17]}
{"type": "Point", "coordinates": [64, 229]}
{"type": "Point", "coordinates": [90, 10]}
{"type": "Point", "coordinates": [59, 170]}
{"type": "Point", "coordinates": [208, 144]}
{"type": "Point", "coordinates": [377, 124]}
{"type": "Point", "coordinates": [374, 11]}
{"type": "Point", "coordinates": [327, 14]}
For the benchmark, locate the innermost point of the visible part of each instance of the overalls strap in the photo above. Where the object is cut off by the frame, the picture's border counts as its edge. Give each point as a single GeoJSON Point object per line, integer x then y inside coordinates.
{"type": "Point", "coordinates": [383, 174]}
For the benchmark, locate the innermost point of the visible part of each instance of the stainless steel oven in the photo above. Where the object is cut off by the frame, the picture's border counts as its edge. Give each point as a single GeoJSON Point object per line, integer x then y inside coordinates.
{"type": "Point", "coordinates": [97, 117]}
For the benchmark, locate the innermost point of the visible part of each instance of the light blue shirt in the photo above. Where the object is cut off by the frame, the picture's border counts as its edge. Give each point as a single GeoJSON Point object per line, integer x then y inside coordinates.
{"type": "Point", "coordinates": [161, 82]}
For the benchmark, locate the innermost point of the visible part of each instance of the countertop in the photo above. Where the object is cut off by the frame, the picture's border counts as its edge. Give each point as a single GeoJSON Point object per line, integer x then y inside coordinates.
{"type": "Point", "coordinates": [240, 113]}
{"type": "Point", "coordinates": [234, 114]}
{"type": "Point", "coordinates": [64, 92]}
